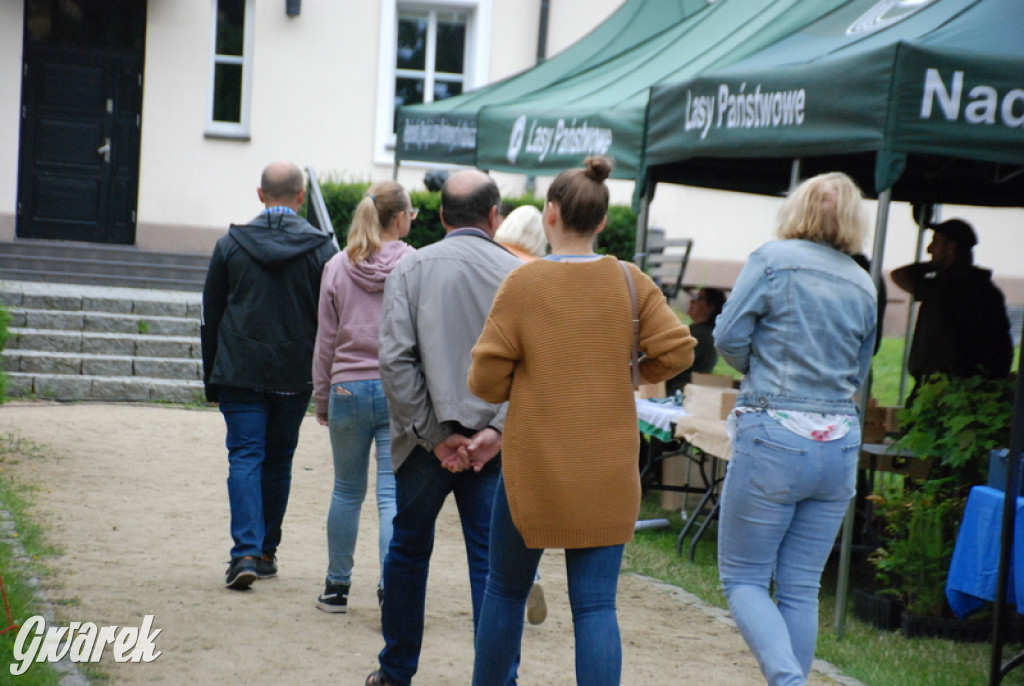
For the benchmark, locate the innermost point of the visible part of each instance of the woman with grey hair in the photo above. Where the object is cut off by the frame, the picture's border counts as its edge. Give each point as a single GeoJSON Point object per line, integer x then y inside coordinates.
{"type": "Point", "coordinates": [522, 233]}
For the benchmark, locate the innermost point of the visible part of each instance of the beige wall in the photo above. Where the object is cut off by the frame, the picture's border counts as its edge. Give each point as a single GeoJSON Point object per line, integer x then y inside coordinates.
{"type": "Point", "coordinates": [11, 22]}
{"type": "Point", "coordinates": [314, 102]}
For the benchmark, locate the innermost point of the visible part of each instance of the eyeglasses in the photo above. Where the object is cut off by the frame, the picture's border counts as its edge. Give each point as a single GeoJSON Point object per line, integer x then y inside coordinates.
{"type": "Point", "coordinates": [413, 212]}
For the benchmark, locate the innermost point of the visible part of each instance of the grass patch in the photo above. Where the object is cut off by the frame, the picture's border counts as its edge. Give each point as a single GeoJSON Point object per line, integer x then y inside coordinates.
{"type": "Point", "coordinates": [875, 657]}
{"type": "Point", "coordinates": [17, 573]}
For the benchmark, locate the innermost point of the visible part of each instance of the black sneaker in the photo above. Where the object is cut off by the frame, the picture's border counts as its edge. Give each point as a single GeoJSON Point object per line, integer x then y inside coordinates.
{"type": "Point", "coordinates": [334, 598]}
{"type": "Point", "coordinates": [266, 567]}
{"type": "Point", "coordinates": [241, 573]}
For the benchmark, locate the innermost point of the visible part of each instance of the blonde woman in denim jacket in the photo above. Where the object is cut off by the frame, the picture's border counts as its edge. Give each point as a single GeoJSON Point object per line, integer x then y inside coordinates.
{"type": "Point", "coordinates": [800, 324]}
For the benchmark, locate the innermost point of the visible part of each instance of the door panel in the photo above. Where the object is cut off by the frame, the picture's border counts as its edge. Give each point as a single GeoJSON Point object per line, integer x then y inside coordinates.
{"type": "Point", "coordinates": [81, 115]}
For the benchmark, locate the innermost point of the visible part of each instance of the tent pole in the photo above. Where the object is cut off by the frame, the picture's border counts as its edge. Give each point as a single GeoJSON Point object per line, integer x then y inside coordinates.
{"type": "Point", "coordinates": [908, 334]}
{"type": "Point", "coordinates": [846, 540]}
{"type": "Point", "coordinates": [640, 246]}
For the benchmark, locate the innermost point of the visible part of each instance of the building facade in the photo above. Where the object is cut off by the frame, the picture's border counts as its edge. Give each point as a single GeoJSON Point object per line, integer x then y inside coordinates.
{"type": "Point", "coordinates": [146, 122]}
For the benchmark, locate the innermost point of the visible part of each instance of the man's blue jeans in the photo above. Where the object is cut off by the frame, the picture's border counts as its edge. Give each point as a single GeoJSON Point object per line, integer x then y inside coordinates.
{"type": "Point", "coordinates": [358, 416]}
{"type": "Point", "coordinates": [783, 501]}
{"type": "Point", "coordinates": [593, 576]}
{"type": "Point", "coordinates": [262, 432]}
{"type": "Point", "coordinates": [422, 485]}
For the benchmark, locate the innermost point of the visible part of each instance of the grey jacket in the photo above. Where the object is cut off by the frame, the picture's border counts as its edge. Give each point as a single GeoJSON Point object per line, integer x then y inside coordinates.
{"type": "Point", "coordinates": [435, 304]}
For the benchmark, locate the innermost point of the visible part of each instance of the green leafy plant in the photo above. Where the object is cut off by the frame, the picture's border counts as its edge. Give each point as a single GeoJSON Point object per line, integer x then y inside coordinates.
{"type": "Point", "coordinates": [143, 326]}
{"type": "Point", "coordinates": [921, 524]}
{"type": "Point", "coordinates": [957, 422]}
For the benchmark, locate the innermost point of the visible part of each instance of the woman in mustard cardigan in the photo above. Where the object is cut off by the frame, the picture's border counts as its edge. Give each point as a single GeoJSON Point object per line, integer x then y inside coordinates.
{"type": "Point", "coordinates": [556, 346]}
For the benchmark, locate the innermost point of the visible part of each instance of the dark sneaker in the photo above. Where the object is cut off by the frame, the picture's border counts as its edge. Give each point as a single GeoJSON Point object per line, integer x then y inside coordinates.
{"type": "Point", "coordinates": [266, 567]}
{"type": "Point", "coordinates": [241, 573]}
{"type": "Point", "coordinates": [334, 598]}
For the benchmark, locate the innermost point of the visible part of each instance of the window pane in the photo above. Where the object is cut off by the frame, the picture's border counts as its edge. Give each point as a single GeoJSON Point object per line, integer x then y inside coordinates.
{"type": "Point", "coordinates": [227, 93]}
{"type": "Point", "coordinates": [412, 42]}
{"type": "Point", "coordinates": [446, 89]}
{"type": "Point", "coordinates": [230, 26]}
{"type": "Point", "coordinates": [407, 92]}
{"type": "Point", "coordinates": [451, 44]}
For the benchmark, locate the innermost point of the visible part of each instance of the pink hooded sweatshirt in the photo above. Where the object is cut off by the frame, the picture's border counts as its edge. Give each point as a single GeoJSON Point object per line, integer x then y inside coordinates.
{"type": "Point", "coordinates": [351, 297]}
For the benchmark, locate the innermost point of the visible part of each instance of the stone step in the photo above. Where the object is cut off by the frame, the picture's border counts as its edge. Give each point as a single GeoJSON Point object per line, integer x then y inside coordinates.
{"type": "Point", "coordinates": [80, 342]}
{"type": "Point", "coordinates": [52, 340]}
{"type": "Point", "coordinates": [66, 297]}
{"type": "Point", "coordinates": [105, 388]}
{"type": "Point", "coordinates": [51, 363]}
{"type": "Point", "coordinates": [99, 264]}
{"type": "Point", "coordinates": [104, 322]}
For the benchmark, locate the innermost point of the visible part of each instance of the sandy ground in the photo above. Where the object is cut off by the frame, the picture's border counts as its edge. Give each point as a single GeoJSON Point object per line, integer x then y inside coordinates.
{"type": "Point", "coordinates": [135, 497]}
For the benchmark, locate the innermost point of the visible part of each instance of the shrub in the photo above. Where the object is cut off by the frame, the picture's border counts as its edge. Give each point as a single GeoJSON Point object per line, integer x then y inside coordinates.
{"type": "Point", "coordinates": [618, 237]}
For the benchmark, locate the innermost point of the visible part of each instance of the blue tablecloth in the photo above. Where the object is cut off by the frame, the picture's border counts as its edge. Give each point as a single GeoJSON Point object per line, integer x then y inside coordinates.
{"type": "Point", "coordinates": [974, 569]}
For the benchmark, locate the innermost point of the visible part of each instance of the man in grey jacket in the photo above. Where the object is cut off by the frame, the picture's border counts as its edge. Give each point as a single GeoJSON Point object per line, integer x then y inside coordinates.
{"type": "Point", "coordinates": [258, 331]}
{"type": "Point", "coordinates": [435, 305]}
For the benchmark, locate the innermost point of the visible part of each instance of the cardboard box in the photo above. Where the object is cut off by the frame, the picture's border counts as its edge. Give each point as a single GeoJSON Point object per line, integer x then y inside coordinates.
{"type": "Point", "coordinates": [719, 380]}
{"type": "Point", "coordinates": [879, 422]}
{"type": "Point", "coordinates": [651, 390]}
{"type": "Point", "coordinates": [710, 402]}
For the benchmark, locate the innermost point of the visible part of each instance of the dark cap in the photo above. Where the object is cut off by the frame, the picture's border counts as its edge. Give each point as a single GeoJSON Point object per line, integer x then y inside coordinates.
{"type": "Point", "coordinates": [957, 231]}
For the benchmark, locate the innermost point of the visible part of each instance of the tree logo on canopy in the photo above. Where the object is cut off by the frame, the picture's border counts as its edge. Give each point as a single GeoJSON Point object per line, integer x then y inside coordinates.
{"type": "Point", "coordinates": [515, 140]}
{"type": "Point", "coordinates": [886, 13]}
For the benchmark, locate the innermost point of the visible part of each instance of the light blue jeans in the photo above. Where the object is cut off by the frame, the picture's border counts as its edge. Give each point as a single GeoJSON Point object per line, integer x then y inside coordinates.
{"type": "Point", "coordinates": [783, 502]}
{"type": "Point", "coordinates": [357, 415]}
{"type": "Point", "coordinates": [593, 576]}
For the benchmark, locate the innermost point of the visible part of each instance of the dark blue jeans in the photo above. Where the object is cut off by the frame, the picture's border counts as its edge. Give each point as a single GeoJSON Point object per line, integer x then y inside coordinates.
{"type": "Point", "coordinates": [262, 432]}
{"type": "Point", "coordinates": [422, 485]}
{"type": "Point", "coordinates": [593, 576]}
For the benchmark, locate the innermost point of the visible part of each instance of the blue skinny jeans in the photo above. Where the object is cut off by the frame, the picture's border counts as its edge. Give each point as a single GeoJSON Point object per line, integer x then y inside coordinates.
{"type": "Point", "coordinates": [783, 501]}
{"type": "Point", "coordinates": [357, 417]}
{"type": "Point", "coordinates": [593, 577]}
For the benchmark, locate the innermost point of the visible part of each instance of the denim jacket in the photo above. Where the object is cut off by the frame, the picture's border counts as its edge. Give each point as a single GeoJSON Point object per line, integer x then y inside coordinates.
{"type": "Point", "coordinates": [800, 324]}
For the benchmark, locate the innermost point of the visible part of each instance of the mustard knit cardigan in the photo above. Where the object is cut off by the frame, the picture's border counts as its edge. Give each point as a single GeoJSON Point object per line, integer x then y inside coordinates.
{"type": "Point", "coordinates": [557, 346]}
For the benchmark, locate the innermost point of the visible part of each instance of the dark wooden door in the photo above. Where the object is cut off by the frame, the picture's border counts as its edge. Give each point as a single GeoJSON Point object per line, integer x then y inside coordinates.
{"type": "Point", "coordinates": [81, 118]}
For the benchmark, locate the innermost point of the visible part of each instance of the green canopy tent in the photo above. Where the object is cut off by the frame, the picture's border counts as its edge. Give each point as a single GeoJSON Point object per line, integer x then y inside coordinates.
{"type": "Point", "coordinates": [930, 106]}
{"type": "Point", "coordinates": [918, 101]}
{"type": "Point", "coordinates": [591, 98]}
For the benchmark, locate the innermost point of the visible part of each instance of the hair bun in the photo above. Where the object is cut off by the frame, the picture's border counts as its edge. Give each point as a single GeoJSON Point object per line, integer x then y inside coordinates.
{"type": "Point", "coordinates": [598, 168]}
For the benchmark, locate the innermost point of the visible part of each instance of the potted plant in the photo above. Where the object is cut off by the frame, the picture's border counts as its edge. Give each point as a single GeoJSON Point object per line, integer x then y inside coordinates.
{"type": "Point", "coordinates": [956, 423]}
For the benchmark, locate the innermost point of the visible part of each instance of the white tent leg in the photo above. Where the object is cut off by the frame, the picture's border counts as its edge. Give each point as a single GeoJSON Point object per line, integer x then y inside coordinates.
{"type": "Point", "coordinates": [846, 540]}
{"type": "Point", "coordinates": [908, 334]}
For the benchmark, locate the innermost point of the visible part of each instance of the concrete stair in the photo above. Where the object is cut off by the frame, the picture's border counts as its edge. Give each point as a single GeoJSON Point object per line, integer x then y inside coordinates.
{"type": "Point", "coordinates": [75, 342]}
{"type": "Point", "coordinates": [99, 264]}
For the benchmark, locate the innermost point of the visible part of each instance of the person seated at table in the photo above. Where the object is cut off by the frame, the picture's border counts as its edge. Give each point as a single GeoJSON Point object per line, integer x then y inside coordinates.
{"type": "Point", "coordinates": [800, 325]}
{"type": "Point", "coordinates": [705, 306]}
{"type": "Point", "coordinates": [551, 318]}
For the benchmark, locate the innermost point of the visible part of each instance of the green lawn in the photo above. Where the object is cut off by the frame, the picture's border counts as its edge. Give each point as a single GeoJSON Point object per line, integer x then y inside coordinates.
{"type": "Point", "coordinates": [877, 658]}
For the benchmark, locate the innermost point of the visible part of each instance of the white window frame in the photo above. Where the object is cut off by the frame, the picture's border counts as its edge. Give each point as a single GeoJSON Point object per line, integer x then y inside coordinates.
{"type": "Point", "coordinates": [223, 129]}
{"type": "Point", "coordinates": [477, 65]}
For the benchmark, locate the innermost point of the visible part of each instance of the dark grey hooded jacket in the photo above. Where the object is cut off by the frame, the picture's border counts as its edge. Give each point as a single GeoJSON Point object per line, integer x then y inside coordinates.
{"type": "Point", "coordinates": [260, 305]}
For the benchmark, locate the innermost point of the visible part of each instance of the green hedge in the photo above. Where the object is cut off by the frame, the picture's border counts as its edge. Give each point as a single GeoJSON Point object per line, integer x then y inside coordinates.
{"type": "Point", "coordinates": [617, 239]}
